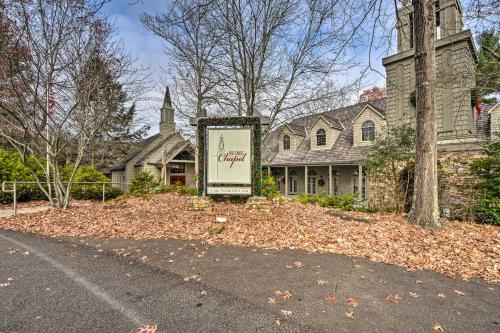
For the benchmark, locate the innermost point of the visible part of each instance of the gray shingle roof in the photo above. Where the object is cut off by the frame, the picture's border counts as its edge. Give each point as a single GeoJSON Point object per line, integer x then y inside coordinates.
{"type": "Point", "coordinates": [342, 151]}
{"type": "Point", "coordinates": [139, 147]}
{"type": "Point", "coordinates": [154, 149]}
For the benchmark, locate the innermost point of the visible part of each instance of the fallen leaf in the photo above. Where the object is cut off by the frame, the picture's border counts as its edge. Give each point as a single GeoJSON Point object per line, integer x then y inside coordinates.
{"type": "Point", "coordinates": [148, 329]}
{"type": "Point", "coordinates": [412, 294]}
{"type": "Point", "coordinates": [286, 312]}
{"type": "Point", "coordinates": [286, 294]}
{"type": "Point", "coordinates": [321, 282]}
{"type": "Point", "coordinates": [380, 240]}
{"type": "Point", "coordinates": [351, 301]}
{"type": "Point", "coordinates": [458, 292]}
{"type": "Point", "coordinates": [298, 264]}
{"type": "Point", "coordinates": [438, 327]}
{"type": "Point", "coordinates": [203, 292]}
{"type": "Point", "coordinates": [278, 322]}
{"type": "Point", "coordinates": [331, 298]}
{"type": "Point", "coordinates": [144, 259]}
{"type": "Point", "coordinates": [3, 285]}
{"type": "Point", "coordinates": [419, 282]}
{"type": "Point", "coordinates": [189, 278]}
{"type": "Point", "coordinates": [350, 315]}
{"type": "Point", "coordinates": [392, 298]}
{"type": "Point", "coordinates": [441, 295]}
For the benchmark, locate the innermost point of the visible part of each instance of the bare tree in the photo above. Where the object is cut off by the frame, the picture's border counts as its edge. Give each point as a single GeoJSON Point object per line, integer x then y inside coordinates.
{"type": "Point", "coordinates": [425, 210]}
{"type": "Point", "coordinates": [192, 48]}
{"type": "Point", "coordinates": [59, 100]}
{"type": "Point", "coordinates": [272, 57]}
{"type": "Point", "coordinates": [281, 54]}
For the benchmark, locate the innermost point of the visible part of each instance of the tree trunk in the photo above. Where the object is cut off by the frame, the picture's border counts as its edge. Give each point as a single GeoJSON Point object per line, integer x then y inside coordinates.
{"type": "Point", "coordinates": [425, 211]}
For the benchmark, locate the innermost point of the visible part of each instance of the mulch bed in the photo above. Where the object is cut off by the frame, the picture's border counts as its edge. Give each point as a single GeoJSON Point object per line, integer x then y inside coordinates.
{"type": "Point", "coordinates": [459, 248]}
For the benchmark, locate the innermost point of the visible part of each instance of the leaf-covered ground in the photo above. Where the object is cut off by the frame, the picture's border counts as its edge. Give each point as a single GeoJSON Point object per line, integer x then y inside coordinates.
{"type": "Point", "coordinates": [458, 248]}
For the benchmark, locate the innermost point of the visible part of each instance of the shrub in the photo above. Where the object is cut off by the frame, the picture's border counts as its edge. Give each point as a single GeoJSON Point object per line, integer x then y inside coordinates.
{"type": "Point", "coordinates": [144, 184]}
{"type": "Point", "coordinates": [487, 169]}
{"type": "Point", "coordinates": [89, 173]}
{"type": "Point", "coordinates": [178, 188]}
{"type": "Point", "coordinates": [12, 168]}
{"type": "Point", "coordinates": [343, 202]}
{"type": "Point", "coordinates": [269, 188]}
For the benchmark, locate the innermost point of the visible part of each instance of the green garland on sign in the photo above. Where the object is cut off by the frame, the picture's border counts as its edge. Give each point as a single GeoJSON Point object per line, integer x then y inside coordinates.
{"type": "Point", "coordinates": [254, 122]}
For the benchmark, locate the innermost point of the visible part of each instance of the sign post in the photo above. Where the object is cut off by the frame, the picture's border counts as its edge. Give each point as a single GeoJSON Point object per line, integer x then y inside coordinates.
{"type": "Point", "coordinates": [229, 156]}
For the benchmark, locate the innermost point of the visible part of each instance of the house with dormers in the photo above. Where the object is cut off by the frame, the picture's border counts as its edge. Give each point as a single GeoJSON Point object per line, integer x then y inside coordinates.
{"type": "Point", "coordinates": [323, 153]}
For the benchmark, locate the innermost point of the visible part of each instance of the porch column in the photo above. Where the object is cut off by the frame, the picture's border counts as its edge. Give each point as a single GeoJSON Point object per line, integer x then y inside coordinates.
{"type": "Point", "coordinates": [268, 171]}
{"type": "Point", "coordinates": [305, 180]}
{"type": "Point", "coordinates": [330, 180]}
{"type": "Point", "coordinates": [360, 182]}
{"type": "Point", "coordinates": [286, 180]}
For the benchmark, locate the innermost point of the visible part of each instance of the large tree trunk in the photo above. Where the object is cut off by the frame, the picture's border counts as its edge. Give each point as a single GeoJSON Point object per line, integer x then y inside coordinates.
{"type": "Point", "coordinates": [425, 211]}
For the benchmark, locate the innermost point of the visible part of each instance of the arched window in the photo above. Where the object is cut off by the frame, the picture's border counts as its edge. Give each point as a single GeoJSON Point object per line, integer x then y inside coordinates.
{"type": "Point", "coordinates": [320, 137]}
{"type": "Point", "coordinates": [368, 131]}
{"type": "Point", "coordinates": [286, 142]}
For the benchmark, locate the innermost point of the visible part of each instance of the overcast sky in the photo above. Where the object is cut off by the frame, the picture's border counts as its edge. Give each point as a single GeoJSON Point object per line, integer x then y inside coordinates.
{"type": "Point", "coordinates": [149, 50]}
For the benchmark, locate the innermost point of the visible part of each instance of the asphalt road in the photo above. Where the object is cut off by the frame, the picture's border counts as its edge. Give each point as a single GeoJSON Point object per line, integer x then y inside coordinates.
{"type": "Point", "coordinates": [426, 298]}
{"type": "Point", "coordinates": [51, 285]}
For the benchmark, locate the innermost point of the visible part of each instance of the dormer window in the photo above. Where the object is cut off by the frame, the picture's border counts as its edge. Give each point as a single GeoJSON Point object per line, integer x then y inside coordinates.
{"type": "Point", "coordinates": [286, 142]}
{"type": "Point", "coordinates": [368, 131]}
{"type": "Point", "coordinates": [320, 137]}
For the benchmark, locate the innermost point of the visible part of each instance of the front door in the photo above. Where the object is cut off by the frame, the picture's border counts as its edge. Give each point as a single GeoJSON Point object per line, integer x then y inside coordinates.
{"type": "Point", "coordinates": [177, 179]}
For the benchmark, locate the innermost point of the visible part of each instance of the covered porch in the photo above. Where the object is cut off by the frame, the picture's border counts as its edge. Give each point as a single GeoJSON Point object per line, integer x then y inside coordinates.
{"type": "Point", "coordinates": [332, 179]}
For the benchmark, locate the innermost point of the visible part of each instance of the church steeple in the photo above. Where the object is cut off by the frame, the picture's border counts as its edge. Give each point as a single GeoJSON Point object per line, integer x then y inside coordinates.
{"type": "Point", "coordinates": [167, 121]}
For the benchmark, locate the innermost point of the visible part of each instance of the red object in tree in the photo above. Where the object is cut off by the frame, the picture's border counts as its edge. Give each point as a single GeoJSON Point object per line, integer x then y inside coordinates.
{"type": "Point", "coordinates": [478, 106]}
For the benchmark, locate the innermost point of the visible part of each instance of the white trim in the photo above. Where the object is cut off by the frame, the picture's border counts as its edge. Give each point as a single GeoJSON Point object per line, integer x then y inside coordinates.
{"type": "Point", "coordinates": [493, 108]}
{"type": "Point", "coordinates": [328, 122]}
{"type": "Point", "coordinates": [372, 108]}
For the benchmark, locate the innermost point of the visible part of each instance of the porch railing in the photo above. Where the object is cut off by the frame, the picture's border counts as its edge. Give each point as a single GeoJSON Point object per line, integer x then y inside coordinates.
{"type": "Point", "coordinates": [13, 188]}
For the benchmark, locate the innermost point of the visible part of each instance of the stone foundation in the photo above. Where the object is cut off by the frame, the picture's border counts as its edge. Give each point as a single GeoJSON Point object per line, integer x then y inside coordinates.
{"type": "Point", "coordinates": [258, 205]}
{"type": "Point", "coordinates": [456, 192]}
{"type": "Point", "coordinates": [201, 204]}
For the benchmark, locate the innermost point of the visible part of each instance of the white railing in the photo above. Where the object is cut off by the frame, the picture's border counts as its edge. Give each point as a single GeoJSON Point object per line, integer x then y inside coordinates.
{"type": "Point", "coordinates": [13, 189]}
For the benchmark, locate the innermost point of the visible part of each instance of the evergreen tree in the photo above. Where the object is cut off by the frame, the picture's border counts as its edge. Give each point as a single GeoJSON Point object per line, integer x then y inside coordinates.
{"type": "Point", "coordinates": [488, 67]}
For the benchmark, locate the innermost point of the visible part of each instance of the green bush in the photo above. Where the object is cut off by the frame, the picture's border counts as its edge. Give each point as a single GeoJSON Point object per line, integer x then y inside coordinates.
{"type": "Point", "coordinates": [87, 173]}
{"type": "Point", "coordinates": [144, 184]}
{"type": "Point", "coordinates": [487, 169]}
{"type": "Point", "coordinates": [178, 188]}
{"type": "Point", "coordinates": [343, 202]}
{"type": "Point", "coordinates": [269, 188]}
{"type": "Point", "coordinates": [12, 168]}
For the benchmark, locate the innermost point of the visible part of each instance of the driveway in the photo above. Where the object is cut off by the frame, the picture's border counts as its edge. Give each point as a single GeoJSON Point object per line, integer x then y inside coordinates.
{"type": "Point", "coordinates": [116, 285]}
{"type": "Point", "coordinates": [369, 296]}
{"type": "Point", "coordinates": [50, 285]}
